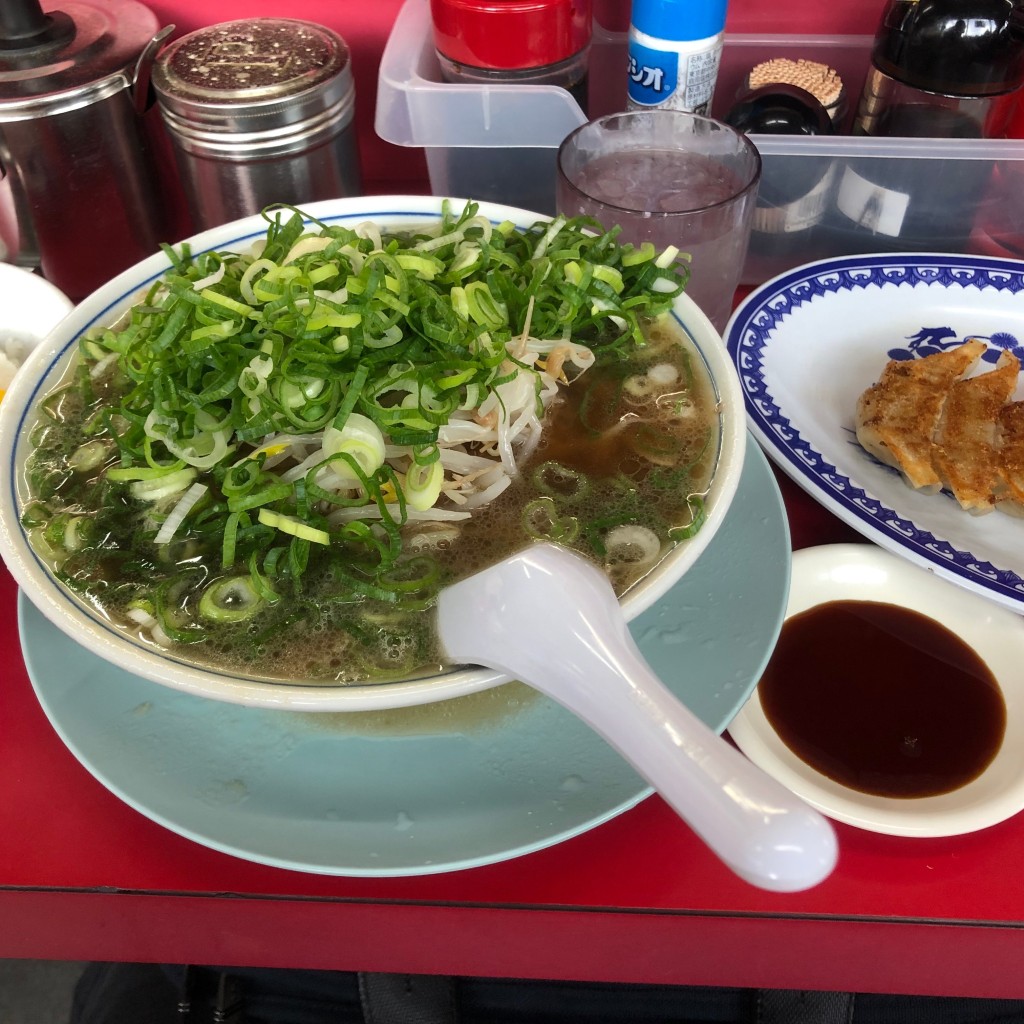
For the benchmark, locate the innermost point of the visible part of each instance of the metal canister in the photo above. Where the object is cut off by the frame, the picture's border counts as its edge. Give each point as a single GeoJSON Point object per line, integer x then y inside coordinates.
{"type": "Point", "coordinates": [259, 111]}
{"type": "Point", "coordinates": [80, 170]}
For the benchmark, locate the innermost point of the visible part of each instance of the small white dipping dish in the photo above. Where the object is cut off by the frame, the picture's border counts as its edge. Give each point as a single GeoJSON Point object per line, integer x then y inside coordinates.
{"type": "Point", "coordinates": [864, 572]}
{"type": "Point", "coordinates": [30, 307]}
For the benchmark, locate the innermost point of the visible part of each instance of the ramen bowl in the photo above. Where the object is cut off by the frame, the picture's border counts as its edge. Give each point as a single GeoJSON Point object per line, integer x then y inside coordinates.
{"type": "Point", "coordinates": [48, 365]}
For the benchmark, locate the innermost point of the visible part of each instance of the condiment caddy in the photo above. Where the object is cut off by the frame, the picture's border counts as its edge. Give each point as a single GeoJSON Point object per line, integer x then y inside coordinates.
{"type": "Point", "coordinates": [416, 107]}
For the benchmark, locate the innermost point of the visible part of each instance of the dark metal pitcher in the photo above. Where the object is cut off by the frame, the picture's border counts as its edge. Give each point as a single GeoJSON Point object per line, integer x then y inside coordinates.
{"type": "Point", "coordinates": [79, 169]}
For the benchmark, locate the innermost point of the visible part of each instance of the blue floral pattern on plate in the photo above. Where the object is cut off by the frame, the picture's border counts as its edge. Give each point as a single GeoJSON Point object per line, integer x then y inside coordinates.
{"type": "Point", "coordinates": [934, 288]}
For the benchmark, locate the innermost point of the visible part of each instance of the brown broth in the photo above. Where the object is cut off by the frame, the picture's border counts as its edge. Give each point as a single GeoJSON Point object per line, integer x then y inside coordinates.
{"type": "Point", "coordinates": [317, 638]}
{"type": "Point", "coordinates": [883, 699]}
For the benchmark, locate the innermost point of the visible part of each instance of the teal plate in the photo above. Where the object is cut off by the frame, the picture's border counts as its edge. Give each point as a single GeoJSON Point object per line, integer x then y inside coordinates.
{"type": "Point", "coordinates": [416, 791]}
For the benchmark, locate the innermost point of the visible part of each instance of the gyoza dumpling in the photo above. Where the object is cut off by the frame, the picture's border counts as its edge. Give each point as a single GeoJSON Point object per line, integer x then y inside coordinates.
{"type": "Point", "coordinates": [898, 417]}
{"type": "Point", "coordinates": [967, 444]}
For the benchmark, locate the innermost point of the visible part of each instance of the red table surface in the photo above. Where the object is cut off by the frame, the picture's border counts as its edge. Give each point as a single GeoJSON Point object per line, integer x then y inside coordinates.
{"type": "Point", "coordinates": [83, 876]}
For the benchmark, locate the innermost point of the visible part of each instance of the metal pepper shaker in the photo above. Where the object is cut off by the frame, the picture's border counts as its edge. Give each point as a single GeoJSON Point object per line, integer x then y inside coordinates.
{"type": "Point", "coordinates": [259, 111]}
{"type": "Point", "coordinates": [77, 164]}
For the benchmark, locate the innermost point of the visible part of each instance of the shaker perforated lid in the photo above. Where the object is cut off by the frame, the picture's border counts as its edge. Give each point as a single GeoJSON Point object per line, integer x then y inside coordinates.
{"type": "Point", "coordinates": [254, 74]}
{"type": "Point", "coordinates": [98, 57]}
{"type": "Point", "coordinates": [511, 35]}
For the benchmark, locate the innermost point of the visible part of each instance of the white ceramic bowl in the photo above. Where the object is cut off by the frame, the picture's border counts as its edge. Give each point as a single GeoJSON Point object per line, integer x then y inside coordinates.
{"type": "Point", "coordinates": [30, 307]}
{"type": "Point", "coordinates": [46, 365]}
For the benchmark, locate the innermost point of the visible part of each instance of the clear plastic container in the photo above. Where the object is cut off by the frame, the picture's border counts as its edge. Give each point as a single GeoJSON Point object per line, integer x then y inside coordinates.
{"type": "Point", "coordinates": [516, 130]}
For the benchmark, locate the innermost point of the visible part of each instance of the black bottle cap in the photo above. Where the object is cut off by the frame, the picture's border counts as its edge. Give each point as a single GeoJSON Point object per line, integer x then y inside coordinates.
{"type": "Point", "coordinates": [953, 47]}
{"type": "Point", "coordinates": [25, 29]}
{"type": "Point", "coordinates": [780, 109]}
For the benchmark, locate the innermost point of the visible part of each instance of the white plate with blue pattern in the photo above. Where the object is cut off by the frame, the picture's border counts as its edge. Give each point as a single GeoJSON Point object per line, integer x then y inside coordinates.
{"type": "Point", "coordinates": [807, 343]}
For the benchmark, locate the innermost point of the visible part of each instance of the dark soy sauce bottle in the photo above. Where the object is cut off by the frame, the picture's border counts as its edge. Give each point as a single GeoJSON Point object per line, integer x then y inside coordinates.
{"type": "Point", "coordinates": [940, 69]}
{"type": "Point", "coordinates": [963, 56]}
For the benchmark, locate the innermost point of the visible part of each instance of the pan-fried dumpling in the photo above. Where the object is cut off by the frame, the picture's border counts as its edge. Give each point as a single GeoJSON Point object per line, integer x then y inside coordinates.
{"type": "Point", "coordinates": [898, 417]}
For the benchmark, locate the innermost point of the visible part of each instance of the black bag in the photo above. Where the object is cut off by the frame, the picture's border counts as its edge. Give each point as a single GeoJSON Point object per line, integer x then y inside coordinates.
{"type": "Point", "coordinates": [174, 994]}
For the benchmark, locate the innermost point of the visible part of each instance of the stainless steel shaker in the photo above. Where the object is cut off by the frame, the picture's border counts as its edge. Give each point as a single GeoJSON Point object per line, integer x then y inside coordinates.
{"type": "Point", "coordinates": [259, 112]}
{"type": "Point", "coordinates": [79, 168]}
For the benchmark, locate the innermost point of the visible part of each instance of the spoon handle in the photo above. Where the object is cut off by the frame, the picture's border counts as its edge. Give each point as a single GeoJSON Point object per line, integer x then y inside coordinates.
{"type": "Point", "coordinates": [591, 665]}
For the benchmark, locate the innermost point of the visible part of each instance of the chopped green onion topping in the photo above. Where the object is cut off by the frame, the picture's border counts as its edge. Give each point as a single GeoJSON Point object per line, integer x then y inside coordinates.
{"type": "Point", "coordinates": [284, 408]}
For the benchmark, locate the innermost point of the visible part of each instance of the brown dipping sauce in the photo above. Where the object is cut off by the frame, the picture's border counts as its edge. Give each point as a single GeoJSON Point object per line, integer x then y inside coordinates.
{"type": "Point", "coordinates": [882, 699]}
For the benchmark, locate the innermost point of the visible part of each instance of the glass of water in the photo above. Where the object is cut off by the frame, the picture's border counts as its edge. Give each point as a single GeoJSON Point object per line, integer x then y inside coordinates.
{"type": "Point", "coordinates": [670, 178]}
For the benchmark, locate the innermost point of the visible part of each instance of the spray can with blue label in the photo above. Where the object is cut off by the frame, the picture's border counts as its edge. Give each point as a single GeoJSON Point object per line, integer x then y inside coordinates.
{"type": "Point", "coordinates": [675, 48]}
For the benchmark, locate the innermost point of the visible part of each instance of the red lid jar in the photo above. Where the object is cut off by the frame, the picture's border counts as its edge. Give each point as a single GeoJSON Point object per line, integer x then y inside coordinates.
{"type": "Point", "coordinates": [540, 41]}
